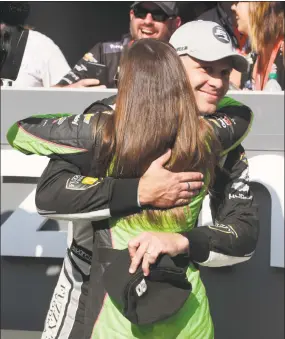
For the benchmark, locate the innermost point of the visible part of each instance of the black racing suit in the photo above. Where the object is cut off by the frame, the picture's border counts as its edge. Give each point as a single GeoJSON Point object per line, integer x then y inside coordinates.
{"type": "Point", "coordinates": [67, 190]}
{"type": "Point", "coordinates": [106, 53]}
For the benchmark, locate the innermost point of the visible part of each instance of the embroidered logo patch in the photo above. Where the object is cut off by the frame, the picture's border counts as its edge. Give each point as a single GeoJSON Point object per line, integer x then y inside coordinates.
{"type": "Point", "coordinates": [221, 35]}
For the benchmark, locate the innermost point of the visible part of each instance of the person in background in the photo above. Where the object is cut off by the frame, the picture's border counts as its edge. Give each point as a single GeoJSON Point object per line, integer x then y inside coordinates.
{"type": "Point", "coordinates": [223, 15]}
{"type": "Point", "coordinates": [156, 19]}
{"type": "Point", "coordinates": [264, 24]}
{"type": "Point", "coordinates": [28, 58]}
{"type": "Point", "coordinates": [191, 10]}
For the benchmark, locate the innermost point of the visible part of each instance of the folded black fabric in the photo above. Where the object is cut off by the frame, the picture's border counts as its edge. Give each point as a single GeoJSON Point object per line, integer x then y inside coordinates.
{"type": "Point", "coordinates": [146, 300]}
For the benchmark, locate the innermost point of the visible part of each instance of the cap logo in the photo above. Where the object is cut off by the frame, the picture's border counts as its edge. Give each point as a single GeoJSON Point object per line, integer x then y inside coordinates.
{"type": "Point", "coordinates": [141, 288]}
{"type": "Point", "coordinates": [221, 35]}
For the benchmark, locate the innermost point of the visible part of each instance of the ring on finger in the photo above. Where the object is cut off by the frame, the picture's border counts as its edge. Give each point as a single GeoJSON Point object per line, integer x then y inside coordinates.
{"type": "Point", "coordinates": [189, 187]}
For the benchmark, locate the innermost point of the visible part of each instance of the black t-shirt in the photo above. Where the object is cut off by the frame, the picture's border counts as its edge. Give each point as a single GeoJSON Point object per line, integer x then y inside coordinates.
{"type": "Point", "coordinates": [106, 53]}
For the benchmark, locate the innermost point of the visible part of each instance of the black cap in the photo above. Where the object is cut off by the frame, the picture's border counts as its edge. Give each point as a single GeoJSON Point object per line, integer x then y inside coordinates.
{"type": "Point", "coordinates": [146, 300]}
{"type": "Point", "coordinates": [169, 7]}
{"type": "Point", "coordinates": [14, 13]}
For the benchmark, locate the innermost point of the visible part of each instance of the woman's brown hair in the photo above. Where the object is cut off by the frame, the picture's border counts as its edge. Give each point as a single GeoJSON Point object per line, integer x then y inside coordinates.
{"type": "Point", "coordinates": [266, 21]}
{"type": "Point", "coordinates": [155, 111]}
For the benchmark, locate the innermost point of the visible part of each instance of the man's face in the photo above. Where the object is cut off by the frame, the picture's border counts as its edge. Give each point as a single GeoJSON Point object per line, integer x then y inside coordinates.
{"type": "Point", "coordinates": [147, 27]}
{"type": "Point", "coordinates": [209, 81]}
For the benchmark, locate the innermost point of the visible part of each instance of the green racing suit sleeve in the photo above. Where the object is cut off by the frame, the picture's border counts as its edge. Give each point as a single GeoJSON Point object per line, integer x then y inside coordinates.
{"type": "Point", "coordinates": [68, 140]}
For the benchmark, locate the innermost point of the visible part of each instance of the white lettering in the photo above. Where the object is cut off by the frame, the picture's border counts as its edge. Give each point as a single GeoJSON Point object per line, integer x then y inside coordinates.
{"type": "Point", "coordinates": [239, 196]}
{"type": "Point", "coordinates": [141, 288]}
{"type": "Point", "coordinates": [80, 68]}
{"type": "Point", "coordinates": [81, 253]}
{"type": "Point", "coordinates": [116, 46]}
{"type": "Point", "coordinates": [75, 121]}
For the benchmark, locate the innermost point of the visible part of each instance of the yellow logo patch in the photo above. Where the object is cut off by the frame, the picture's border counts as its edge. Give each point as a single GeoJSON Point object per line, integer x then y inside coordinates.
{"type": "Point", "coordinates": [89, 181]}
{"type": "Point", "coordinates": [243, 158]}
{"type": "Point", "coordinates": [87, 118]}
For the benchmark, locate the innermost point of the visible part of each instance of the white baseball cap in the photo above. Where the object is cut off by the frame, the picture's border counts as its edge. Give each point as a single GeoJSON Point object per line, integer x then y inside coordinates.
{"type": "Point", "coordinates": [206, 41]}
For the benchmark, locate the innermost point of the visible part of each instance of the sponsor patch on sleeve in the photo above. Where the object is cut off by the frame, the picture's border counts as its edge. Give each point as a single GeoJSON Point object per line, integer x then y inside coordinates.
{"type": "Point", "coordinates": [90, 57]}
{"type": "Point", "coordinates": [76, 119]}
{"type": "Point", "coordinates": [80, 183]}
{"type": "Point", "coordinates": [243, 158]}
{"type": "Point", "coordinates": [87, 118]}
{"type": "Point", "coordinates": [89, 180]}
{"type": "Point", "coordinates": [61, 120]}
{"type": "Point", "coordinates": [222, 121]}
{"type": "Point", "coordinates": [225, 121]}
{"type": "Point", "coordinates": [224, 229]}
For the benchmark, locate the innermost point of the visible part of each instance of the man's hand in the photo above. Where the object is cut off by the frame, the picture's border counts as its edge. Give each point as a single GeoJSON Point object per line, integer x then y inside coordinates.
{"type": "Point", "coordinates": [161, 188]}
{"type": "Point", "coordinates": [147, 246]}
{"type": "Point", "coordinates": [84, 83]}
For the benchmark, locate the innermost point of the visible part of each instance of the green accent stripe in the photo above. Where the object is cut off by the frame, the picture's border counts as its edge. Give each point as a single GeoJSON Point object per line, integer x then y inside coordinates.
{"type": "Point", "coordinates": [11, 137]}
{"type": "Point", "coordinates": [13, 131]}
{"type": "Point", "coordinates": [227, 101]}
{"type": "Point", "coordinates": [36, 145]}
{"type": "Point", "coordinates": [52, 116]}
{"type": "Point", "coordinates": [27, 143]}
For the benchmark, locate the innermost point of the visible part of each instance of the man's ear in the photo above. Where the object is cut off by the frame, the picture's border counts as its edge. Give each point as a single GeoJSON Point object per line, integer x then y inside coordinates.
{"type": "Point", "coordinates": [177, 22]}
{"type": "Point", "coordinates": [131, 14]}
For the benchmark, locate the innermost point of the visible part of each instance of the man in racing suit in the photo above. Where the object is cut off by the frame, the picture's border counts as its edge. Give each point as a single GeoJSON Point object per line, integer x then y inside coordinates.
{"type": "Point", "coordinates": [68, 191]}
{"type": "Point", "coordinates": [156, 20]}
{"type": "Point", "coordinates": [65, 192]}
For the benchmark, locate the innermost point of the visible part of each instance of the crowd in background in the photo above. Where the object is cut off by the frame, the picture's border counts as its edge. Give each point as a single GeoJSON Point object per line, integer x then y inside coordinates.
{"type": "Point", "coordinates": [31, 59]}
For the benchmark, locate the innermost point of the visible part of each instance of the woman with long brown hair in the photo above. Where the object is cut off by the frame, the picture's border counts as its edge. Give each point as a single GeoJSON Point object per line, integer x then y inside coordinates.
{"type": "Point", "coordinates": [156, 111]}
{"type": "Point", "coordinates": [263, 22]}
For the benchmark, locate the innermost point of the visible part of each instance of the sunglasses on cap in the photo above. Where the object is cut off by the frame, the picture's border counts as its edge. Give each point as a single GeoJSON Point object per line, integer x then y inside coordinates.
{"type": "Point", "coordinates": [157, 14]}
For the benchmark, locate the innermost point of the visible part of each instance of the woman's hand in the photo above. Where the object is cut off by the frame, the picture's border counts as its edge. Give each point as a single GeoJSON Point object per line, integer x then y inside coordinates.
{"type": "Point", "coordinates": [149, 245]}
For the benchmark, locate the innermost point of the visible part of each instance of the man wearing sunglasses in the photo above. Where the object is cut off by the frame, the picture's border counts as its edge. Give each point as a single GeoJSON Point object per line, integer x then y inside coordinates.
{"type": "Point", "coordinates": [156, 19]}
